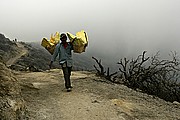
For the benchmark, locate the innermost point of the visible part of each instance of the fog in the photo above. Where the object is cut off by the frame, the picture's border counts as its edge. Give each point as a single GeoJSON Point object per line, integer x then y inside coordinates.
{"type": "Point", "coordinates": [116, 28]}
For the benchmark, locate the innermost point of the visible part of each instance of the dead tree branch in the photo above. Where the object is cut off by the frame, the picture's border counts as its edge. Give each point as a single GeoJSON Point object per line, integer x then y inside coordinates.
{"type": "Point", "coordinates": [101, 71]}
{"type": "Point", "coordinates": [109, 76]}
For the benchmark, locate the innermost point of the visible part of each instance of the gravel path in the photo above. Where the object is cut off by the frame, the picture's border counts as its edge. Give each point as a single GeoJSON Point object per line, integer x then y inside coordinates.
{"type": "Point", "coordinates": [92, 98]}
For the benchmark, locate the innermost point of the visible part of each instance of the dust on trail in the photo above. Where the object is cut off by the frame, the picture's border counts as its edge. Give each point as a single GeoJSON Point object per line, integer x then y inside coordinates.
{"type": "Point", "coordinates": [91, 99]}
{"type": "Point", "coordinates": [24, 51]}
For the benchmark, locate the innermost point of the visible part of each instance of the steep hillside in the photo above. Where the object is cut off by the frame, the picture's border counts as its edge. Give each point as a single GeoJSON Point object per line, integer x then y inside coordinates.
{"type": "Point", "coordinates": [12, 106]}
{"type": "Point", "coordinates": [8, 49]}
{"type": "Point", "coordinates": [37, 58]}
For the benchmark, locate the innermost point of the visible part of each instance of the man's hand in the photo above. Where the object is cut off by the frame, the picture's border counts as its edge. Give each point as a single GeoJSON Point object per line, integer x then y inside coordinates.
{"type": "Point", "coordinates": [50, 64]}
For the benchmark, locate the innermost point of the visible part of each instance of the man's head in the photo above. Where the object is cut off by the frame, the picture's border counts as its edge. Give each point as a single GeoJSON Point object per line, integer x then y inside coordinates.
{"type": "Point", "coordinates": [63, 37]}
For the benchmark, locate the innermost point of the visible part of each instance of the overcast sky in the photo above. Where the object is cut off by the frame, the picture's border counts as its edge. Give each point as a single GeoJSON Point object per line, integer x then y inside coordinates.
{"type": "Point", "coordinates": [112, 25]}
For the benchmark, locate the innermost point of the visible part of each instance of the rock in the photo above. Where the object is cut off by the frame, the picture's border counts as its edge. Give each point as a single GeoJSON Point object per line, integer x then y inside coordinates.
{"type": "Point", "coordinates": [17, 67]}
{"type": "Point", "coordinates": [177, 103]}
{"type": "Point", "coordinates": [12, 106]}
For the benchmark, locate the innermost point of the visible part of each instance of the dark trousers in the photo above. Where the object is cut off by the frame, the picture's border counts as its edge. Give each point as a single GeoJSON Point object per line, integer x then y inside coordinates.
{"type": "Point", "coordinates": [67, 74]}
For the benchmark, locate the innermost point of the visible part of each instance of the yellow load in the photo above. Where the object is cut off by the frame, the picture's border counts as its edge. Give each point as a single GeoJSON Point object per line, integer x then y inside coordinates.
{"type": "Point", "coordinates": [79, 42]}
{"type": "Point", "coordinates": [51, 44]}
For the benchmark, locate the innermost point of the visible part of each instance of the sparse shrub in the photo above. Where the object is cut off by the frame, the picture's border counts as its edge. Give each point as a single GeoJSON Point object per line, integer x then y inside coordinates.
{"type": "Point", "coordinates": [150, 74]}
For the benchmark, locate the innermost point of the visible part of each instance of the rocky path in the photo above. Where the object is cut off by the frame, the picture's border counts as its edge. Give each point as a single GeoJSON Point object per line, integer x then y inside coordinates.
{"type": "Point", "coordinates": [23, 52]}
{"type": "Point", "coordinates": [92, 98]}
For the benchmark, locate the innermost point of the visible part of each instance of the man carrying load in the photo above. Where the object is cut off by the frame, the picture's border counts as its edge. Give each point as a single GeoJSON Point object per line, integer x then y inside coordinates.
{"type": "Point", "coordinates": [64, 50]}
{"type": "Point", "coordinates": [78, 44]}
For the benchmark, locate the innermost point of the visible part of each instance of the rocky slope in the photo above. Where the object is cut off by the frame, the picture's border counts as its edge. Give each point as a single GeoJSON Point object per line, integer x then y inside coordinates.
{"type": "Point", "coordinates": [12, 105]}
{"type": "Point", "coordinates": [8, 49]}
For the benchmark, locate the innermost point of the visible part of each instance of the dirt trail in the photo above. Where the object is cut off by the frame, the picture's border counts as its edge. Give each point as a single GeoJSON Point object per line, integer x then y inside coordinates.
{"type": "Point", "coordinates": [91, 99]}
{"type": "Point", "coordinates": [14, 59]}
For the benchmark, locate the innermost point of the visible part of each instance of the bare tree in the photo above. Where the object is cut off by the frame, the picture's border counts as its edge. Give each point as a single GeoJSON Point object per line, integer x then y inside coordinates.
{"type": "Point", "coordinates": [102, 72]}
{"type": "Point", "coordinates": [149, 74]}
{"type": "Point", "coordinates": [133, 70]}
{"type": "Point", "coordinates": [111, 77]}
{"type": "Point", "coordinates": [153, 76]}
